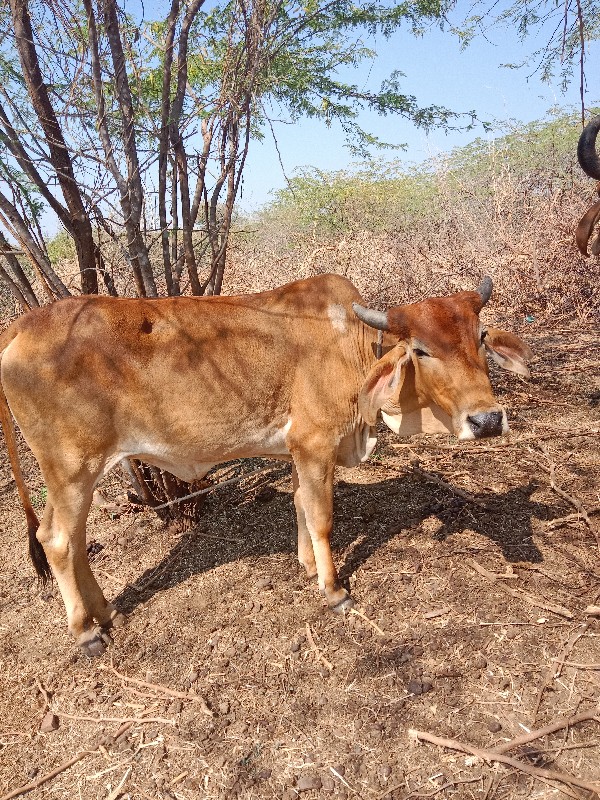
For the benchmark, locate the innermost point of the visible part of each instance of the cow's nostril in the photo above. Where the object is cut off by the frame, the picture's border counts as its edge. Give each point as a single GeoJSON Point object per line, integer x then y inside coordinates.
{"type": "Point", "coordinates": [488, 423]}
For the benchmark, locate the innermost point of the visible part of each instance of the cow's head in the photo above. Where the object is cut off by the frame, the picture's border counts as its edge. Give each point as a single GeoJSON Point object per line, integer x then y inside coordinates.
{"type": "Point", "coordinates": [436, 377]}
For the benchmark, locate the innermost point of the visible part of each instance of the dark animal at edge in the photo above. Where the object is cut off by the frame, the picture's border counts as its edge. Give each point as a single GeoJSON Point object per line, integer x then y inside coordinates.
{"type": "Point", "coordinates": [589, 162]}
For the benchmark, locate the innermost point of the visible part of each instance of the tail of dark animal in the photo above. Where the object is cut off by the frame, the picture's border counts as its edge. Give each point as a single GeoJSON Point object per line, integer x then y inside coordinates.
{"type": "Point", "coordinates": [36, 551]}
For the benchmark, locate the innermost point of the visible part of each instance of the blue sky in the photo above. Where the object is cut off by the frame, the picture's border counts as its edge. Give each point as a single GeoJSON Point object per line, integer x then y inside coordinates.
{"type": "Point", "coordinates": [437, 72]}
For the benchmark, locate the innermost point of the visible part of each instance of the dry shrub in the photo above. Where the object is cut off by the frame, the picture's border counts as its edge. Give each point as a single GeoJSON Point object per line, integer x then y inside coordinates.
{"type": "Point", "coordinates": [506, 209]}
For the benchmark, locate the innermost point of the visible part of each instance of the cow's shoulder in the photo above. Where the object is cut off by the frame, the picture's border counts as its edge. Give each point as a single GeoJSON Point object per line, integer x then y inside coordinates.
{"type": "Point", "coordinates": [311, 298]}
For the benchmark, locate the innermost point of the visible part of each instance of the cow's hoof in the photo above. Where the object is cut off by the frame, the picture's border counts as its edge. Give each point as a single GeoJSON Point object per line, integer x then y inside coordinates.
{"type": "Point", "coordinates": [94, 643]}
{"type": "Point", "coordinates": [343, 606]}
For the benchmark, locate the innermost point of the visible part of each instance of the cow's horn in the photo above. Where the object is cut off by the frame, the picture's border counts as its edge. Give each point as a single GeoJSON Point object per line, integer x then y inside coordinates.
{"type": "Point", "coordinates": [485, 289]}
{"type": "Point", "coordinates": [586, 149]}
{"type": "Point", "coordinates": [372, 318]}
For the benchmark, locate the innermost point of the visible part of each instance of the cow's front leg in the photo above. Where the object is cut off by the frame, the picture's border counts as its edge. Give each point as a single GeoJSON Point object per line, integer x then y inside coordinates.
{"type": "Point", "coordinates": [62, 535]}
{"type": "Point", "coordinates": [306, 554]}
{"type": "Point", "coordinates": [314, 498]}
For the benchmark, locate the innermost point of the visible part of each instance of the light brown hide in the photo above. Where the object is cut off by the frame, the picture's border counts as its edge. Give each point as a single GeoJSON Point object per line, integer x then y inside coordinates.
{"type": "Point", "coordinates": [186, 383]}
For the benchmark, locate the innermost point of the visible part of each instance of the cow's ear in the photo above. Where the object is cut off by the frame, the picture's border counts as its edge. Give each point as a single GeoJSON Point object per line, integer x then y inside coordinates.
{"type": "Point", "coordinates": [383, 382]}
{"type": "Point", "coordinates": [508, 351]}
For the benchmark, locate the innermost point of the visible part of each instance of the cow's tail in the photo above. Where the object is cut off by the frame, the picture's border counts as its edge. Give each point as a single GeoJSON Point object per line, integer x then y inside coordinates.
{"type": "Point", "coordinates": [36, 551]}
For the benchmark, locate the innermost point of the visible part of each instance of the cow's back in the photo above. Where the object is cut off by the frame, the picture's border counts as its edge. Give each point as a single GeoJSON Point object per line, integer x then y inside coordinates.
{"type": "Point", "coordinates": [212, 375]}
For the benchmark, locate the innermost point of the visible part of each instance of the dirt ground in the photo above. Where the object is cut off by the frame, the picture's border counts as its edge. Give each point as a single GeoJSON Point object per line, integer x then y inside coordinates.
{"type": "Point", "coordinates": [472, 566]}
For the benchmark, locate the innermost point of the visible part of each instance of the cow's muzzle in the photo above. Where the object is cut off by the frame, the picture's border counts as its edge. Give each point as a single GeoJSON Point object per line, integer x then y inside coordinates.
{"type": "Point", "coordinates": [486, 423]}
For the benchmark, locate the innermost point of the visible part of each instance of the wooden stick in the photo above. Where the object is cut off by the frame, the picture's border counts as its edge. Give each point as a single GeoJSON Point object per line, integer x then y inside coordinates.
{"type": "Point", "coordinates": [451, 783]}
{"type": "Point", "coordinates": [117, 790]}
{"type": "Point", "coordinates": [194, 698]}
{"type": "Point", "coordinates": [28, 787]}
{"type": "Point", "coordinates": [569, 498]}
{"type": "Point", "coordinates": [366, 619]}
{"type": "Point", "coordinates": [215, 487]}
{"type": "Point", "coordinates": [122, 720]}
{"type": "Point", "coordinates": [489, 756]}
{"type": "Point", "coordinates": [568, 647]}
{"type": "Point", "coordinates": [549, 673]}
{"type": "Point", "coordinates": [492, 576]}
{"type": "Point", "coordinates": [520, 594]}
{"type": "Point", "coordinates": [440, 612]}
{"type": "Point", "coordinates": [552, 524]}
{"type": "Point", "coordinates": [44, 692]}
{"type": "Point", "coordinates": [317, 652]}
{"type": "Point", "coordinates": [460, 492]}
{"type": "Point", "coordinates": [565, 722]}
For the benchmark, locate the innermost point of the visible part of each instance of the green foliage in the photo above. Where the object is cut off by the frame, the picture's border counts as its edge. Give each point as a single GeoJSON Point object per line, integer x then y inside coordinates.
{"type": "Point", "coordinates": [541, 152]}
{"type": "Point", "coordinates": [560, 26]}
{"type": "Point", "coordinates": [39, 498]}
{"type": "Point", "coordinates": [389, 197]}
{"type": "Point", "coordinates": [61, 248]}
{"type": "Point", "coordinates": [374, 197]}
{"type": "Point", "coordinates": [297, 59]}
{"type": "Point", "coordinates": [22, 189]}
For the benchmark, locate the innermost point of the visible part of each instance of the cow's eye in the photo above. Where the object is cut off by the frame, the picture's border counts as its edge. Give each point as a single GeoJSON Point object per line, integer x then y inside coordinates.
{"type": "Point", "coordinates": [483, 335]}
{"type": "Point", "coordinates": [420, 353]}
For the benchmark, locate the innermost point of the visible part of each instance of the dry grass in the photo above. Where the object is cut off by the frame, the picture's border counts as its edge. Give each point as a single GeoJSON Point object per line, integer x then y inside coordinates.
{"type": "Point", "coordinates": [519, 230]}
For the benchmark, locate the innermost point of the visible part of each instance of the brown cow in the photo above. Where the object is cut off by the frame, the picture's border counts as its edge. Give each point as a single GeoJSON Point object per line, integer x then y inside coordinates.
{"type": "Point", "coordinates": [185, 383]}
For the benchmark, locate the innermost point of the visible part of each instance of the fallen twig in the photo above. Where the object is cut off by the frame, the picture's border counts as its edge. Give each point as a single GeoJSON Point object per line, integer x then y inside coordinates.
{"type": "Point", "coordinates": [493, 576]}
{"type": "Point", "coordinates": [568, 647]}
{"type": "Point", "coordinates": [511, 443]}
{"type": "Point", "coordinates": [548, 675]}
{"type": "Point", "coordinates": [28, 787]}
{"type": "Point", "coordinates": [165, 690]}
{"type": "Point", "coordinates": [440, 612]}
{"type": "Point", "coordinates": [343, 780]}
{"type": "Point", "coordinates": [317, 652]}
{"type": "Point", "coordinates": [552, 524]}
{"type": "Point", "coordinates": [559, 724]}
{"type": "Point", "coordinates": [520, 594]}
{"type": "Point", "coordinates": [218, 538]}
{"type": "Point", "coordinates": [444, 484]}
{"type": "Point", "coordinates": [118, 789]}
{"type": "Point", "coordinates": [577, 504]}
{"type": "Point", "coordinates": [489, 756]}
{"type": "Point", "coordinates": [122, 720]}
{"type": "Point", "coordinates": [449, 785]}
{"type": "Point", "coordinates": [366, 619]}
{"type": "Point", "coordinates": [215, 487]}
{"type": "Point", "coordinates": [44, 692]}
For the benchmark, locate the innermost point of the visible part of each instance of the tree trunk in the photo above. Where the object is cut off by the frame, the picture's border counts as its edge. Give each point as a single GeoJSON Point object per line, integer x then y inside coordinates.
{"type": "Point", "coordinates": [15, 278]}
{"type": "Point", "coordinates": [59, 154]}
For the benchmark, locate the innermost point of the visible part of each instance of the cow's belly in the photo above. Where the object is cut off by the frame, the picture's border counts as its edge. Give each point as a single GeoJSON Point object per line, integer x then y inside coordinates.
{"type": "Point", "coordinates": [190, 459]}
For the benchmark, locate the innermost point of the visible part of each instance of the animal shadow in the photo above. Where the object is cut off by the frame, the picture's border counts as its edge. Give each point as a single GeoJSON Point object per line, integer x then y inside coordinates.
{"type": "Point", "coordinates": [366, 517]}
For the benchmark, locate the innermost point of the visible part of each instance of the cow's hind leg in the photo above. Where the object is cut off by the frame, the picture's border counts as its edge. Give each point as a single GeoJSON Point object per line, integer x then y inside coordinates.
{"type": "Point", "coordinates": [62, 535]}
{"type": "Point", "coordinates": [315, 496]}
